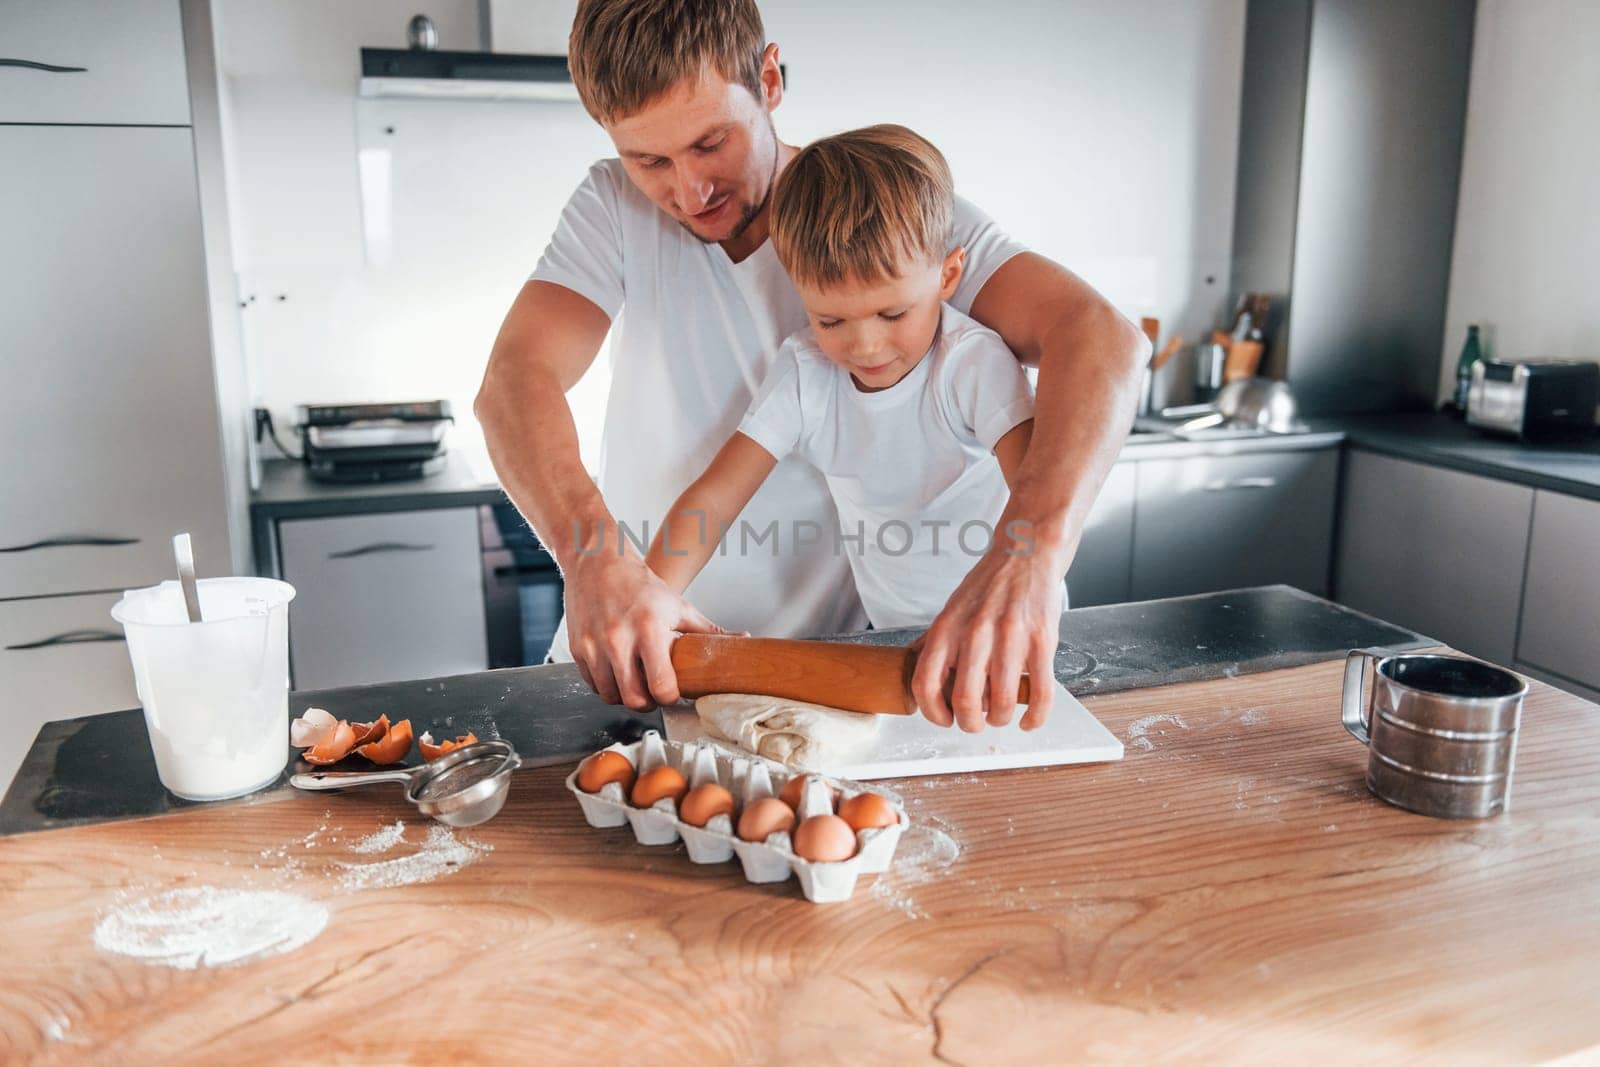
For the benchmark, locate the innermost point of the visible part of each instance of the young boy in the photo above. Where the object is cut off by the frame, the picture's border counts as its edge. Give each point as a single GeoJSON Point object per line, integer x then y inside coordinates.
{"type": "Point", "coordinates": [916, 415]}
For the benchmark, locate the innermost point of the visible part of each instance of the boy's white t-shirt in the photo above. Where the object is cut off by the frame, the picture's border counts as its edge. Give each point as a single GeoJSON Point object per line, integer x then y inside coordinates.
{"type": "Point", "coordinates": [693, 335]}
{"type": "Point", "coordinates": [911, 468]}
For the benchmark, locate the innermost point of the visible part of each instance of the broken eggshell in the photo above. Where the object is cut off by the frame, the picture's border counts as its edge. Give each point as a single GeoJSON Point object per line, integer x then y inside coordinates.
{"type": "Point", "coordinates": [312, 726]}
{"type": "Point", "coordinates": [432, 750]}
{"type": "Point", "coordinates": [392, 747]}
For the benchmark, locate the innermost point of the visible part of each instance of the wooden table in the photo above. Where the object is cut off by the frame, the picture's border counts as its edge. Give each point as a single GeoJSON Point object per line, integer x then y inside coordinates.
{"type": "Point", "coordinates": [1228, 891]}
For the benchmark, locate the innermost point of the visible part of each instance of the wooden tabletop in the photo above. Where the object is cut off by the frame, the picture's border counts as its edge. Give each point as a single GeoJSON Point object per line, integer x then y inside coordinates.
{"type": "Point", "coordinates": [1227, 891]}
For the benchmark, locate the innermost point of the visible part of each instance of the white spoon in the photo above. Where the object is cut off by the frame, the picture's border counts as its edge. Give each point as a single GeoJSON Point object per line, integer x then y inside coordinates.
{"type": "Point", "coordinates": [183, 550]}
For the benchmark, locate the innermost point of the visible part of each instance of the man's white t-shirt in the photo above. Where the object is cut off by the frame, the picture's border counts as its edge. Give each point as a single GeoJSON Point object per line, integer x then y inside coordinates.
{"type": "Point", "coordinates": [693, 335]}
{"type": "Point", "coordinates": [911, 468]}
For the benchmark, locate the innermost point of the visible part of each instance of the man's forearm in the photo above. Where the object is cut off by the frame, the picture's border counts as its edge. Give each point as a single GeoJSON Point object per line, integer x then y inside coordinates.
{"type": "Point", "coordinates": [1090, 356]}
{"type": "Point", "coordinates": [533, 443]}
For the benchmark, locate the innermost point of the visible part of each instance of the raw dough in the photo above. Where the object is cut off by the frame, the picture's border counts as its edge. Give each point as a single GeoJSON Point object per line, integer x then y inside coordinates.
{"type": "Point", "coordinates": [793, 732]}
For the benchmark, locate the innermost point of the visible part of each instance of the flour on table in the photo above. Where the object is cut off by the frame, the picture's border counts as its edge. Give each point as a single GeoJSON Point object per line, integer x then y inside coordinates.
{"type": "Point", "coordinates": [441, 853]}
{"type": "Point", "coordinates": [186, 928]}
{"type": "Point", "coordinates": [792, 732]}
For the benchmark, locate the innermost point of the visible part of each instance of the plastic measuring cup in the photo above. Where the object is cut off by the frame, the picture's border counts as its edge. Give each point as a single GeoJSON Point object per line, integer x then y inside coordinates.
{"type": "Point", "coordinates": [215, 693]}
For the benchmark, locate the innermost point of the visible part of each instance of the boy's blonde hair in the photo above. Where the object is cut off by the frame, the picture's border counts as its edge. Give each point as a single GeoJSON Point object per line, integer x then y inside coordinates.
{"type": "Point", "coordinates": [854, 207]}
{"type": "Point", "coordinates": [625, 53]}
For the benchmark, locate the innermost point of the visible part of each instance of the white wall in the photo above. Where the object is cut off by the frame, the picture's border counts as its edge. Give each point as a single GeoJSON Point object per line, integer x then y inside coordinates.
{"type": "Point", "coordinates": [1526, 263]}
{"type": "Point", "coordinates": [1102, 132]}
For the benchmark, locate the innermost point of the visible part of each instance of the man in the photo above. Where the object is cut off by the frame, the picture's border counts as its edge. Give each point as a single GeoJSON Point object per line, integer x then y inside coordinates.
{"type": "Point", "coordinates": [667, 247]}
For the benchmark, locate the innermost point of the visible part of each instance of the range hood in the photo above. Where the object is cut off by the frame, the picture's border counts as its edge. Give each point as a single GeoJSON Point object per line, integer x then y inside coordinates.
{"type": "Point", "coordinates": [422, 72]}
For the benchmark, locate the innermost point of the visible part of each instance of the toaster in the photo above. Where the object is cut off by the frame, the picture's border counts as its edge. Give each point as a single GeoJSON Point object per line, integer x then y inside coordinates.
{"type": "Point", "coordinates": [1534, 400]}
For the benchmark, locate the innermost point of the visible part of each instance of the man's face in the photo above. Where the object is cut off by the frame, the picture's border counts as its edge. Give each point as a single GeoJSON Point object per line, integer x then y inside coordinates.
{"type": "Point", "coordinates": [879, 331]}
{"type": "Point", "coordinates": [704, 152]}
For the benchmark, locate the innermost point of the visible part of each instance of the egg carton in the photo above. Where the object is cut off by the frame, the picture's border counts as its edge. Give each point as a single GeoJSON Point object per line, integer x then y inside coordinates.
{"type": "Point", "coordinates": [748, 778]}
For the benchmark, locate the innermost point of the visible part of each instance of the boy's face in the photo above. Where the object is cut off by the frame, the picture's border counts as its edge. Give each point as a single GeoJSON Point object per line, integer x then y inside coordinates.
{"type": "Point", "coordinates": [705, 151]}
{"type": "Point", "coordinates": [880, 331]}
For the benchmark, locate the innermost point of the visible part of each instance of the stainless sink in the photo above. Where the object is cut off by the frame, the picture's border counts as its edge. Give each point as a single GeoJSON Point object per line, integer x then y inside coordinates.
{"type": "Point", "coordinates": [1155, 428]}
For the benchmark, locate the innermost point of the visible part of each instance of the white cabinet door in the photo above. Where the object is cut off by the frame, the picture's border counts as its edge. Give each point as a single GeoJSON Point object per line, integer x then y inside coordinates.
{"type": "Point", "coordinates": [93, 61]}
{"type": "Point", "coordinates": [1561, 600]}
{"type": "Point", "coordinates": [1435, 550]}
{"type": "Point", "coordinates": [1225, 522]}
{"type": "Point", "coordinates": [1100, 570]}
{"type": "Point", "coordinates": [60, 657]}
{"type": "Point", "coordinates": [110, 435]}
{"type": "Point", "coordinates": [380, 598]}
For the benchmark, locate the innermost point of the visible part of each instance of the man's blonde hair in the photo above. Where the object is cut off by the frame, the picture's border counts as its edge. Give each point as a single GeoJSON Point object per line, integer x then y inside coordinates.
{"type": "Point", "coordinates": [625, 53]}
{"type": "Point", "coordinates": [856, 206]}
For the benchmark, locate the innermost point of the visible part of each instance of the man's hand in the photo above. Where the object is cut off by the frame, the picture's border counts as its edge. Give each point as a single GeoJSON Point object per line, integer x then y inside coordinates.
{"type": "Point", "coordinates": [1002, 619]}
{"type": "Point", "coordinates": [621, 622]}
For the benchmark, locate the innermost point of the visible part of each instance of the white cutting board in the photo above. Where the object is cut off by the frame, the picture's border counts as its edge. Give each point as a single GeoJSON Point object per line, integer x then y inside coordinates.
{"type": "Point", "coordinates": [910, 745]}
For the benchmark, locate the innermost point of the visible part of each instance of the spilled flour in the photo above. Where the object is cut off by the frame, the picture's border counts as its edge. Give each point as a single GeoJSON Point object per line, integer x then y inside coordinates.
{"type": "Point", "coordinates": [440, 854]}
{"type": "Point", "coordinates": [207, 926]}
{"type": "Point", "coordinates": [924, 852]}
{"type": "Point", "coordinates": [381, 841]}
{"type": "Point", "coordinates": [186, 928]}
{"type": "Point", "coordinates": [1141, 726]}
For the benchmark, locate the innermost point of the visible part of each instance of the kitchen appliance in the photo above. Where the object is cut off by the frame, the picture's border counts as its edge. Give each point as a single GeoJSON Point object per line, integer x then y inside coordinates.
{"type": "Point", "coordinates": [1533, 401]}
{"type": "Point", "coordinates": [373, 442]}
{"type": "Point", "coordinates": [522, 588]}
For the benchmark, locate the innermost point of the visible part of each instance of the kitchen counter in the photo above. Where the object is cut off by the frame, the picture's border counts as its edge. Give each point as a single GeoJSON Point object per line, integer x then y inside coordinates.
{"type": "Point", "coordinates": [1227, 892]}
{"type": "Point", "coordinates": [100, 767]}
{"type": "Point", "coordinates": [1439, 440]}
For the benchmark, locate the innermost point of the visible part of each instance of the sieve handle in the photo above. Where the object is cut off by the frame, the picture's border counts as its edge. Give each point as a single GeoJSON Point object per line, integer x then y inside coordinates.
{"type": "Point", "coordinates": [1357, 697]}
{"type": "Point", "coordinates": [345, 779]}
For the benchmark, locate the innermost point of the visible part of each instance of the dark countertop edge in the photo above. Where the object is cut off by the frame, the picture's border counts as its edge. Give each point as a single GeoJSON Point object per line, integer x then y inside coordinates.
{"type": "Point", "coordinates": [406, 497]}
{"type": "Point", "coordinates": [1421, 450]}
{"type": "Point", "coordinates": [1435, 440]}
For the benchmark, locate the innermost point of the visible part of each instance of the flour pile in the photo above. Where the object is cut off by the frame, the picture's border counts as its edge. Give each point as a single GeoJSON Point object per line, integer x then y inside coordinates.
{"type": "Point", "coordinates": [188, 928]}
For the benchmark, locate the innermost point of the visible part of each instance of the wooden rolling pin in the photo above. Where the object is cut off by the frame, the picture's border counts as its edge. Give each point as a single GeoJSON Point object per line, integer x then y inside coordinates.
{"type": "Point", "coordinates": [869, 678]}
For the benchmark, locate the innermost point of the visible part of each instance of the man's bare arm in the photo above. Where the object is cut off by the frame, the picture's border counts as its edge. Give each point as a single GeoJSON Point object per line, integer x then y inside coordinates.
{"type": "Point", "coordinates": [1004, 616]}
{"type": "Point", "coordinates": [620, 616]}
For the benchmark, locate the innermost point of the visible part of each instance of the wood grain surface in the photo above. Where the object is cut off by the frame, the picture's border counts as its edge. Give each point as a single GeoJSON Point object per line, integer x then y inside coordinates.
{"type": "Point", "coordinates": [1228, 892]}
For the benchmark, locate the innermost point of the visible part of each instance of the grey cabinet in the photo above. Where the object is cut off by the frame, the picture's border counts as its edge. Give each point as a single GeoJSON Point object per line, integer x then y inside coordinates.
{"type": "Point", "coordinates": [1435, 550]}
{"type": "Point", "coordinates": [1101, 570]}
{"type": "Point", "coordinates": [111, 429]}
{"type": "Point", "coordinates": [60, 657]}
{"type": "Point", "coordinates": [90, 61]}
{"type": "Point", "coordinates": [1561, 600]}
{"type": "Point", "coordinates": [384, 597]}
{"type": "Point", "coordinates": [1205, 523]}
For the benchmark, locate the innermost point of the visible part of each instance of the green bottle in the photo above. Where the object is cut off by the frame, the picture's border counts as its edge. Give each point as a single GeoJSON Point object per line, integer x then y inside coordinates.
{"type": "Point", "coordinates": [1471, 352]}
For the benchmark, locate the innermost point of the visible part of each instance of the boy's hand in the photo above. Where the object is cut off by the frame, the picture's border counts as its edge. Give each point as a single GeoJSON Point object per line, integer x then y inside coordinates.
{"type": "Point", "coordinates": [621, 622]}
{"type": "Point", "coordinates": [1003, 619]}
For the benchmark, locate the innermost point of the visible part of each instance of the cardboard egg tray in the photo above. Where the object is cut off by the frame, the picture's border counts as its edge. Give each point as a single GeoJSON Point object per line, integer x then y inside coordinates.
{"type": "Point", "coordinates": [748, 778]}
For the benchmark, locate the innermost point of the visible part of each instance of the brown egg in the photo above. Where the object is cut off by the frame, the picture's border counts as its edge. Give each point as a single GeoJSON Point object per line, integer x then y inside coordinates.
{"type": "Point", "coordinates": [824, 839]}
{"type": "Point", "coordinates": [604, 767]}
{"type": "Point", "coordinates": [795, 787]}
{"type": "Point", "coordinates": [705, 802]}
{"type": "Point", "coordinates": [867, 811]}
{"type": "Point", "coordinates": [765, 817]}
{"type": "Point", "coordinates": [661, 782]}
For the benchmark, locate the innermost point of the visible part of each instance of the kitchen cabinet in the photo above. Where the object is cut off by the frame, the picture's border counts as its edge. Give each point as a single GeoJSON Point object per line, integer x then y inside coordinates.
{"type": "Point", "coordinates": [60, 657]}
{"type": "Point", "coordinates": [124, 63]}
{"type": "Point", "coordinates": [1100, 571]}
{"type": "Point", "coordinates": [1434, 550]}
{"type": "Point", "coordinates": [384, 597]}
{"type": "Point", "coordinates": [1560, 629]}
{"type": "Point", "coordinates": [1205, 523]}
{"type": "Point", "coordinates": [110, 393]}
